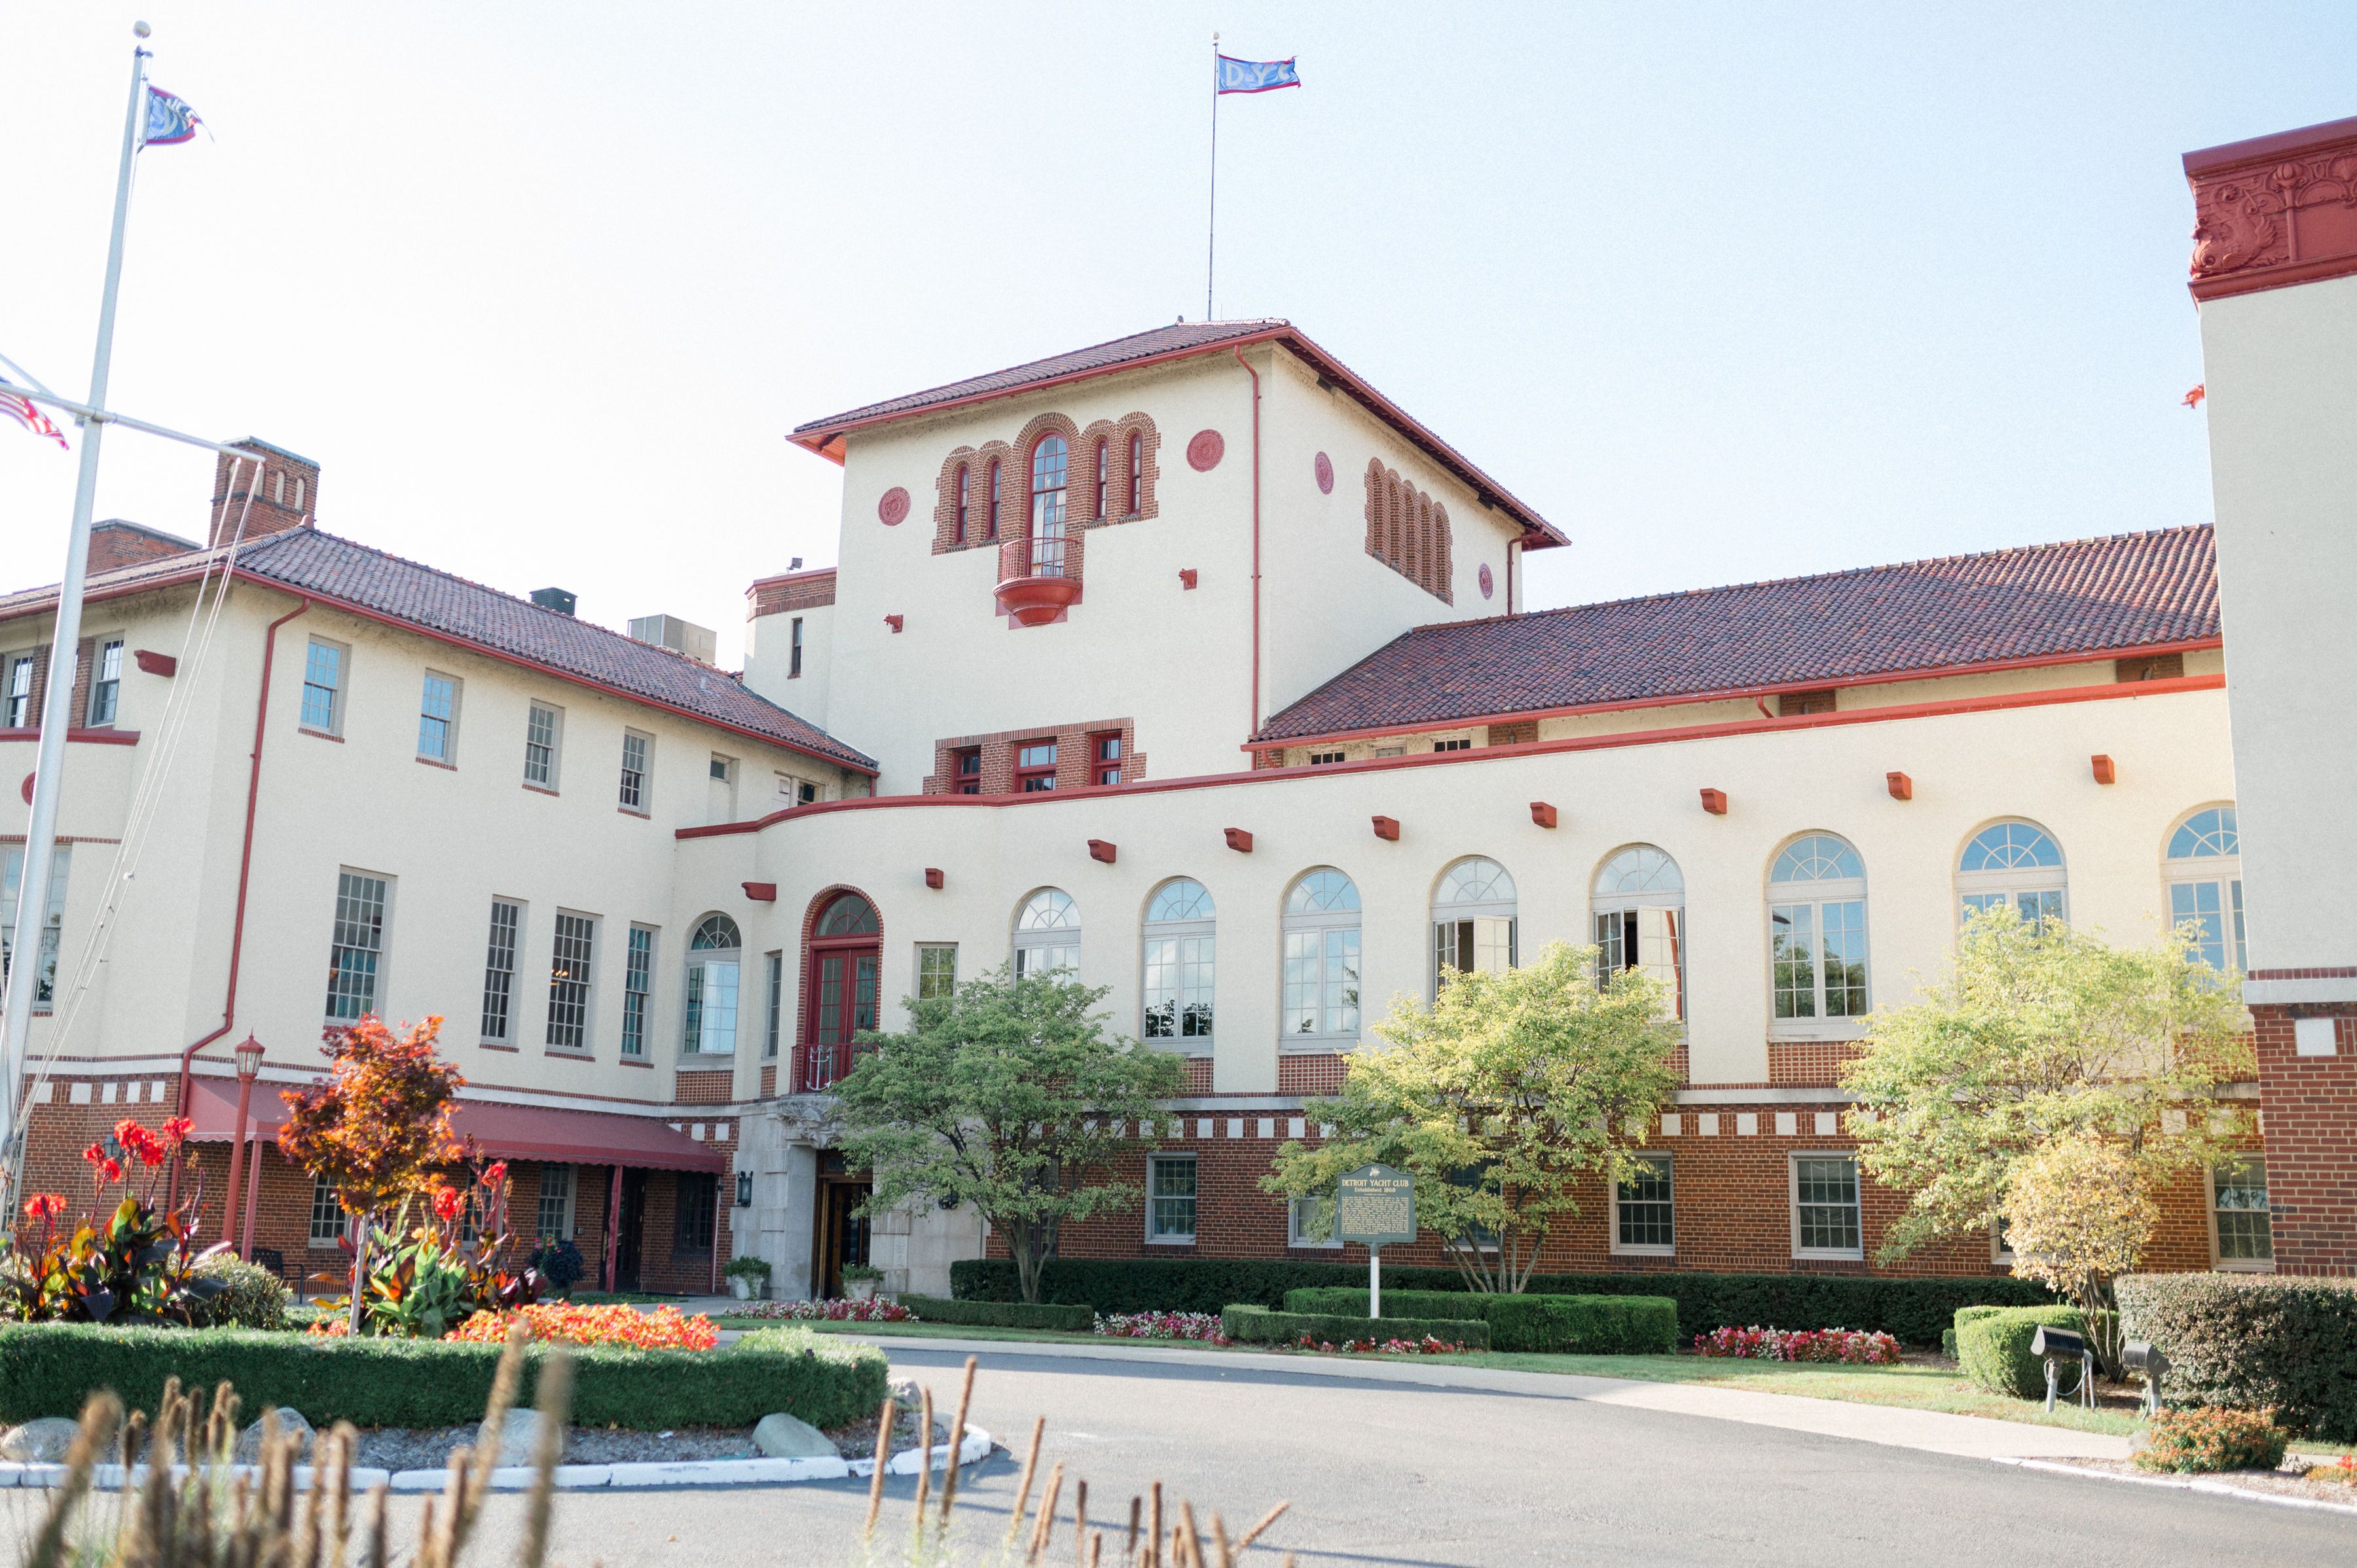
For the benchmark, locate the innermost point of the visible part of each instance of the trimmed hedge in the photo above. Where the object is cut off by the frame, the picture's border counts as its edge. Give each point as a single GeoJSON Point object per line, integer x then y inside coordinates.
{"type": "Point", "coordinates": [49, 1368]}
{"type": "Point", "coordinates": [1914, 1310]}
{"type": "Point", "coordinates": [1063, 1317]}
{"type": "Point", "coordinates": [2253, 1342]}
{"type": "Point", "coordinates": [1993, 1347]}
{"type": "Point", "coordinates": [1573, 1325]}
{"type": "Point", "coordinates": [1253, 1325]}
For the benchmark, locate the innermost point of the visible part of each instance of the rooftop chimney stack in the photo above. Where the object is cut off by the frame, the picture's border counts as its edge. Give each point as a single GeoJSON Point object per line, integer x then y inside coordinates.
{"type": "Point", "coordinates": [271, 492]}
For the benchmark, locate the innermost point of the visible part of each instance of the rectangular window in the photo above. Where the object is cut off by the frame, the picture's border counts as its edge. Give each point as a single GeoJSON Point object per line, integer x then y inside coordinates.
{"type": "Point", "coordinates": [1460, 744]}
{"type": "Point", "coordinates": [1170, 1200]}
{"type": "Point", "coordinates": [1309, 1222]}
{"type": "Point", "coordinates": [19, 693]}
{"type": "Point", "coordinates": [776, 1003]}
{"type": "Point", "coordinates": [635, 750]}
{"type": "Point", "coordinates": [1321, 981]}
{"type": "Point", "coordinates": [1643, 1221]}
{"type": "Point", "coordinates": [356, 945]}
{"type": "Point", "coordinates": [1792, 951]}
{"type": "Point", "coordinates": [2217, 909]}
{"type": "Point", "coordinates": [1485, 942]}
{"type": "Point", "coordinates": [637, 982]}
{"type": "Point", "coordinates": [327, 1215]}
{"type": "Point", "coordinates": [1843, 953]}
{"type": "Point", "coordinates": [2246, 1230]}
{"type": "Point", "coordinates": [568, 982]}
{"type": "Point", "coordinates": [555, 1203]}
{"type": "Point", "coordinates": [711, 1008]}
{"type": "Point", "coordinates": [936, 970]}
{"type": "Point", "coordinates": [1035, 767]}
{"type": "Point", "coordinates": [438, 716]}
{"type": "Point", "coordinates": [1825, 1207]}
{"type": "Point", "coordinates": [1178, 988]}
{"type": "Point", "coordinates": [966, 771]}
{"type": "Point", "coordinates": [696, 1212]}
{"type": "Point", "coordinates": [106, 683]}
{"type": "Point", "coordinates": [805, 793]}
{"type": "Point", "coordinates": [11, 879]}
{"type": "Point", "coordinates": [1325, 758]}
{"type": "Point", "coordinates": [1104, 758]}
{"type": "Point", "coordinates": [499, 969]}
{"type": "Point", "coordinates": [541, 730]}
{"type": "Point", "coordinates": [323, 687]}
{"type": "Point", "coordinates": [794, 654]}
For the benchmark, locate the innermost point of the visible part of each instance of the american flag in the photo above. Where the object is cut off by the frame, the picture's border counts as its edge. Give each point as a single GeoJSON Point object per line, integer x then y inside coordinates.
{"type": "Point", "coordinates": [21, 409]}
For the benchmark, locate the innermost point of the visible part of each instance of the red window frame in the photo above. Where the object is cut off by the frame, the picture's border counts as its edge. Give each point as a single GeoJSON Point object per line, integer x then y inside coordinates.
{"type": "Point", "coordinates": [1032, 774]}
{"type": "Point", "coordinates": [965, 770]}
{"type": "Point", "coordinates": [1137, 472]}
{"type": "Point", "coordinates": [959, 536]}
{"type": "Point", "coordinates": [843, 981]}
{"type": "Point", "coordinates": [1104, 758]}
{"type": "Point", "coordinates": [1104, 477]}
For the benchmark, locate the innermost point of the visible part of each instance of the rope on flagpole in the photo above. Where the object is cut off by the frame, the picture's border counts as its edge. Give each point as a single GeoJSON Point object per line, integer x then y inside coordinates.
{"type": "Point", "coordinates": [1211, 229]}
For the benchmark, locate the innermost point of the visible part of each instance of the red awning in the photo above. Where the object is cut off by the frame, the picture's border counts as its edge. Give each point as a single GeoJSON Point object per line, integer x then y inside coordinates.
{"type": "Point", "coordinates": [509, 1132]}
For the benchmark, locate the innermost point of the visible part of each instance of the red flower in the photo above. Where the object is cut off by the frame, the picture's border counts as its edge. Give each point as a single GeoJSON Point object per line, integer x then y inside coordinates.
{"type": "Point", "coordinates": [137, 1140]}
{"type": "Point", "coordinates": [176, 1130]}
{"type": "Point", "coordinates": [445, 1203]}
{"type": "Point", "coordinates": [111, 1169]}
{"type": "Point", "coordinates": [105, 1167]}
{"type": "Point", "coordinates": [44, 1205]}
{"type": "Point", "coordinates": [495, 1173]}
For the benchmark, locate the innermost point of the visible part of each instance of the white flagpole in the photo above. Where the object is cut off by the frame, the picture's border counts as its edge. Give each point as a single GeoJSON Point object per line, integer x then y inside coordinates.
{"type": "Point", "coordinates": [57, 714]}
{"type": "Point", "coordinates": [1212, 231]}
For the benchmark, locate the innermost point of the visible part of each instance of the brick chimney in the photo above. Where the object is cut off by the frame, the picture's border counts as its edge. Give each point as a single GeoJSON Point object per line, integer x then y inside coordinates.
{"type": "Point", "coordinates": [282, 490]}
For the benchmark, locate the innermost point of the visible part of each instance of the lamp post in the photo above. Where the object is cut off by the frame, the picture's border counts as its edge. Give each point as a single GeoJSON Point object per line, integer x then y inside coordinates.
{"type": "Point", "coordinates": [248, 1068]}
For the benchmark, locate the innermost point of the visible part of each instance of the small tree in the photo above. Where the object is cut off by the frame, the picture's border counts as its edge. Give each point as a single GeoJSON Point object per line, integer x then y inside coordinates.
{"type": "Point", "coordinates": [2078, 1212]}
{"type": "Point", "coordinates": [1006, 1095]}
{"type": "Point", "coordinates": [1502, 1099]}
{"type": "Point", "coordinates": [2041, 1035]}
{"type": "Point", "coordinates": [377, 1128]}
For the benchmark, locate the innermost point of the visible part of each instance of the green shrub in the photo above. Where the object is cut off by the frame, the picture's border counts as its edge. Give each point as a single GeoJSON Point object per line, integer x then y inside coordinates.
{"type": "Point", "coordinates": [1065, 1316]}
{"type": "Point", "coordinates": [1914, 1310]}
{"type": "Point", "coordinates": [48, 1368]}
{"type": "Point", "coordinates": [1570, 1325]}
{"type": "Point", "coordinates": [2253, 1342]}
{"type": "Point", "coordinates": [1253, 1325]}
{"type": "Point", "coordinates": [1993, 1347]}
{"type": "Point", "coordinates": [250, 1296]}
{"type": "Point", "coordinates": [2212, 1440]}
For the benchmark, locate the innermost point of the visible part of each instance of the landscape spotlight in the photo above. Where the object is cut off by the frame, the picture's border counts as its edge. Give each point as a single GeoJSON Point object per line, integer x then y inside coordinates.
{"type": "Point", "coordinates": [2144, 1356]}
{"type": "Point", "coordinates": [2055, 1345]}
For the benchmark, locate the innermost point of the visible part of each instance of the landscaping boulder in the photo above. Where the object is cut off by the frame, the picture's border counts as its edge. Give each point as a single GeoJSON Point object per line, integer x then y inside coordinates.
{"type": "Point", "coordinates": [905, 1392]}
{"type": "Point", "coordinates": [41, 1441]}
{"type": "Point", "coordinates": [519, 1436]}
{"type": "Point", "coordinates": [249, 1442]}
{"type": "Point", "coordinates": [783, 1436]}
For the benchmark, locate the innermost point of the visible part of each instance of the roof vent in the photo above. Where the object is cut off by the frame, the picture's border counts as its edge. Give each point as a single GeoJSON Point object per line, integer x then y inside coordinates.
{"type": "Point", "coordinates": [697, 642]}
{"type": "Point", "coordinates": [561, 600]}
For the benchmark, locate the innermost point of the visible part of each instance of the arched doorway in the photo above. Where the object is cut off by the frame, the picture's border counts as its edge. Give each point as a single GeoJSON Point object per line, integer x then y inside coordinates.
{"type": "Point", "coordinates": [840, 987]}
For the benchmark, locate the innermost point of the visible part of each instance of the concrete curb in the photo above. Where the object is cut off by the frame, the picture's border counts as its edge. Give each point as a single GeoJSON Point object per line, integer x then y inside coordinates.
{"type": "Point", "coordinates": [2186, 1484]}
{"type": "Point", "coordinates": [569, 1478]}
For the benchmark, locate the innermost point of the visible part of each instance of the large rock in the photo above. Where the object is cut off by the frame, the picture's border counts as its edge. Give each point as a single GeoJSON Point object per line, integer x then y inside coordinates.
{"type": "Point", "coordinates": [905, 1394]}
{"type": "Point", "coordinates": [783, 1436]}
{"type": "Point", "coordinates": [520, 1437]}
{"type": "Point", "coordinates": [249, 1442]}
{"type": "Point", "coordinates": [41, 1441]}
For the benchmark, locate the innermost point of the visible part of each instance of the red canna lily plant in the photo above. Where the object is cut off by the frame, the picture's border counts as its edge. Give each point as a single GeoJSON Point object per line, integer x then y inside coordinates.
{"type": "Point", "coordinates": [132, 1263]}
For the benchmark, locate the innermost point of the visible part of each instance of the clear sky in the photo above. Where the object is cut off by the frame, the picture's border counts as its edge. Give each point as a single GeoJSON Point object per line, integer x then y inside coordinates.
{"type": "Point", "coordinates": [1725, 292]}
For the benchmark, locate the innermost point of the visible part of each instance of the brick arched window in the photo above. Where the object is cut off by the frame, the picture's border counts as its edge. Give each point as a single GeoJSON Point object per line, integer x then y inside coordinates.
{"type": "Point", "coordinates": [964, 477]}
{"type": "Point", "coordinates": [1051, 469]}
{"type": "Point", "coordinates": [990, 505]}
{"type": "Point", "coordinates": [1137, 473]}
{"type": "Point", "coordinates": [1103, 477]}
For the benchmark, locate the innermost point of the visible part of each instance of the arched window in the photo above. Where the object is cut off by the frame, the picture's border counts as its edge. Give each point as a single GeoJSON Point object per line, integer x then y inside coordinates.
{"type": "Point", "coordinates": [1047, 935]}
{"type": "Point", "coordinates": [1051, 464]}
{"type": "Point", "coordinates": [962, 477]}
{"type": "Point", "coordinates": [1321, 957]}
{"type": "Point", "coordinates": [1816, 922]}
{"type": "Point", "coordinates": [1177, 952]}
{"type": "Point", "coordinates": [990, 505]}
{"type": "Point", "coordinates": [1137, 472]}
{"type": "Point", "coordinates": [1472, 921]}
{"type": "Point", "coordinates": [714, 955]}
{"type": "Point", "coordinates": [2205, 885]}
{"type": "Point", "coordinates": [1638, 901]}
{"type": "Point", "coordinates": [1103, 477]}
{"type": "Point", "coordinates": [842, 984]}
{"type": "Point", "coordinates": [2012, 863]}
{"type": "Point", "coordinates": [848, 915]}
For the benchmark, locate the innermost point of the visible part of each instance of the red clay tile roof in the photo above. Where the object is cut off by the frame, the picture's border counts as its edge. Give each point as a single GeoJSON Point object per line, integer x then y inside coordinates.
{"type": "Point", "coordinates": [342, 569]}
{"type": "Point", "coordinates": [825, 436]}
{"type": "Point", "coordinates": [2046, 601]}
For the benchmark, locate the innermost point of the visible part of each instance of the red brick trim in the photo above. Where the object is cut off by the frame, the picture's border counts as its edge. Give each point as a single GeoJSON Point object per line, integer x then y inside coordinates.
{"type": "Point", "coordinates": [1074, 766]}
{"type": "Point", "coordinates": [1015, 480]}
{"type": "Point", "coordinates": [790, 591]}
{"type": "Point", "coordinates": [1408, 532]}
{"type": "Point", "coordinates": [2334, 972]}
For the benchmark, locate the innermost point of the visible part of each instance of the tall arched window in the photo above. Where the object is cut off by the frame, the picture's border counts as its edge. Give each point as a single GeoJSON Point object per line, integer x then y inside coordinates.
{"type": "Point", "coordinates": [1321, 958]}
{"type": "Point", "coordinates": [2016, 864]}
{"type": "Point", "coordinates": [1051, 464]}
{"type": "Point", "coordinates": [1103, 477]}
{"type": "Point", "coordinates": [1472, 921]}
{"type": "Point", "coordinates": [845, 967]}
{"type": "Point", "coordinates": [990, 505]}
{"type": "Point", "coordinates": [2205, 885]}
{"type": "Point", "coordinates": [963, 478]}
{"type": "Point", "coordinates": [1638, 901]}
{"type": "Point", "coordinates": [714, 952]}
{"type": "Point", "coordinates": [1177, 953]}
{"type": "Point", "coordinates": [1047, 935]}
{"type": "Point", "coordinates": [1137, 472]}
{"type": "Point", "coordinates": [1816, 922]}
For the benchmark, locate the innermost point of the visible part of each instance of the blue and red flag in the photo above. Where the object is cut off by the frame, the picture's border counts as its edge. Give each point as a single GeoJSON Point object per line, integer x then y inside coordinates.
{"type": "Point", "coordinates": [169, 120]}
{"type": "Point", "coordinates": [1254, 75]}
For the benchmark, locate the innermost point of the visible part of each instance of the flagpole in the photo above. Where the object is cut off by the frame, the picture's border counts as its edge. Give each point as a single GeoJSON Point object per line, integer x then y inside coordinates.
{"type": "Point", "coordinates": [57, 709]}
{"type": "Point", "coordinates": [1211, 230]}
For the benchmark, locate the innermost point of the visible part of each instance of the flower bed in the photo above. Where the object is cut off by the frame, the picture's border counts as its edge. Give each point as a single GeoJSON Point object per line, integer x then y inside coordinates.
{"type": "Point", "coordinates": [1848, 1345]}
{"type": "Point", "coordinates": [1427, 1346]}
{"type": "Point", "coordinates": [1203, 1325]}
{"type": "Point", "coordinates": [663, 1329]}
{"type": "Point", "coordinates": [2202, 1440]}
{"type": "Point", "coordinates": [832, 1311]}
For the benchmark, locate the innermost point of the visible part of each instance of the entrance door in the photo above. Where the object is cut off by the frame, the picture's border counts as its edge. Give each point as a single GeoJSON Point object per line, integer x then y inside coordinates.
{"type": "Point", "coordinates": [629, 1231]}
{"type": "Point", "coordinates": [841, 988]}
{"type": "Point", "coordinates": [841, 1234]}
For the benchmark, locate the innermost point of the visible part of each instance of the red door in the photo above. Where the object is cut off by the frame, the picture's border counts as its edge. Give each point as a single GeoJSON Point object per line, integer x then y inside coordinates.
{"type": "Point", "coordinates": [842, 1001]}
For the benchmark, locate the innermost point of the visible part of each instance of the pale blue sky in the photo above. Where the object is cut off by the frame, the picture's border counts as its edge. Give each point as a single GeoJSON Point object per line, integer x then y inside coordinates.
{"type": "Point", "coordinates": [1725, 292]}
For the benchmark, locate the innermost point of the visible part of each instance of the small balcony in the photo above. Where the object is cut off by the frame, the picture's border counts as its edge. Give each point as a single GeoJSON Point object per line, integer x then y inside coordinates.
{"type": "Point", "coordinates": [822, 1065]}
{"type": "Point", "coordinates": [1038, 578]}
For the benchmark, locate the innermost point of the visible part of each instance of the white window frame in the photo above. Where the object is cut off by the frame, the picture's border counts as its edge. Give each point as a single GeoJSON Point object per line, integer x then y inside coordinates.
{"type": "Point", "coordinates": [639, 982]}
{"type": "Point", "coordinates": [1653, 890]}
{"type": "Point", "coordinates": [1314, 930]}
{"type": "Point", "coordinates": [584, 932]}
{"type": "Point", "coordinates": [1793, 1199]}
{"type": "Point", "coordinates": [1816, 896]}
{"type": "Point", "coordinates": [2222, 871]}
{"type": "Point", "coordinates": [381, 971]}
{"type": "Point", "coordinates": [708, 968]}
{"type": "Point", "coordinates": [1486, 922]}
{"type": "Point", "coordinates": [1299, 1239]}
{"type": "Point", "coordinates": [571, 1183]}
{"type": "Point", "coordinates": [773, 1003]}
{"type": "Point", "coordinates": [1187, 953]}
{"type": "Point", "coordinates": [2024, 887]}
{"type": "Point", "coordinates": [1194, 1199]}
{"type": "Point", "coordinates": [1044, 925]}
{"type": "Point", "coordinates": [334, 723]}
{"type": "Point", "coordinates": [1649, 1248]}
{"type": "Point", "coordinates": [52, 938]}
{"type": "Point", "coordinates": [554, 764]}
{"type": "Point", "coordinates": [324, 1238]}
{"type": "Point", "coordinates": [2218, 1258]}
{"type": "Point", "coordinates": [638, 782]}
{"type": "Point", "coordinates": [925, 951]}
{"type": "Point", "coordinates": [513, 945]}
{"type": "Point", "coordinates": [448, 756]}
{"type": "Point", "coordinates": [19, 709]}
{"type": "Point", "coordinates": [106, 681]}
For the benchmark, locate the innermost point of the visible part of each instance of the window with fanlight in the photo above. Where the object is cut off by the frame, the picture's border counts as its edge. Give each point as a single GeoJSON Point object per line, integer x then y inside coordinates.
{"type": "Point", "coordinates": [715, 961]}
{"type": "Point", "coordinates": [843, 986]}
{"type": "Point", "coordinates": [1473, 920]}
{"type": "Point", "coordinates": [1050, 467]}
{"type": "Point", "coordinates": [1816, 925]}
{"type": "Point", "coordinates": [1176, 957]}
{"type": "Point", "coordinates": [964, 483]}
{"type": "Point", "coordinates": [990, 506]}
{"type": "Point", "coordinates": [1320, 932]}
{"type": "Point", "coordinates": [2015, 866]}
{"type": "Point", "coordinates": [2205, 886]}
{"type": "Point", "coordinates": [1638, 905]}
{"type": "Point", "coordinates": [1047, 935]}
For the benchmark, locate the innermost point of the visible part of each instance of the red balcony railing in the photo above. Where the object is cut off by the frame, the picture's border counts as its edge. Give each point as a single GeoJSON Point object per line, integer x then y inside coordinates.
{"type": "Point", "coordinates": [1038, 576]}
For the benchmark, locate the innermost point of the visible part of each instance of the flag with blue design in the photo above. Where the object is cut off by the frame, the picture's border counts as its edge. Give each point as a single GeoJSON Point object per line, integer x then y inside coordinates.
{"type": "Point", "coordinates": [169, 120]}
{"type": "Point", "coordinates": [1255, 75]}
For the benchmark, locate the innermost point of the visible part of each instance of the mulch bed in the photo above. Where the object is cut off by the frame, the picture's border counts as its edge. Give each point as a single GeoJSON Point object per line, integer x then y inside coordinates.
{"type": "Point", "coordinates": [404, 1448]}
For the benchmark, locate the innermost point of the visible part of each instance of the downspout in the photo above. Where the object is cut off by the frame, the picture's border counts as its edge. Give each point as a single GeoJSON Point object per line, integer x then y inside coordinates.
{"type": "Point", "coordinates": [237, 921]}
{"type": "Point", "coordinates": [1255, 541]}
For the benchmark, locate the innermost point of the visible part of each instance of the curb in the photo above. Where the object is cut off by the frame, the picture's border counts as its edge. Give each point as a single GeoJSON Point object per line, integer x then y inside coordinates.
{"type": "Point", "coordinates": [569, 1478]}
{"type": "Point", "coordinates": [2185, 1484]}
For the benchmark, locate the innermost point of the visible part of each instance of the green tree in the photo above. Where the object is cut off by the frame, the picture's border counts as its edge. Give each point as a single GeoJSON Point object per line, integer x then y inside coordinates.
{"type": "Point", "coordinates": [1008, 1094]}
{"type": "Point", "coordinates": [2039, 1034]}
{"type": "Point", "coordinates": [1502, 1099]}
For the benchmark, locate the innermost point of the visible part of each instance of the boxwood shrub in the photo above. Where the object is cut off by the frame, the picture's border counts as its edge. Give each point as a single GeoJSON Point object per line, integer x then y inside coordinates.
{"type": "Point", "coordinates": [1253, 1325]}
{"type": "Point", "coordinates": [48, 1368]}
{"type": "Point", "coordinates": [1069, 1317]}
{"type": "Point", "coordinates": [2253, 1342]}
{"type": "Point", "coordinates": [1915, 1310]}
{"type": "Point", "coordinates": [1575, 1324]}
{"type": "Point", "coordinates": [1993, 1347]}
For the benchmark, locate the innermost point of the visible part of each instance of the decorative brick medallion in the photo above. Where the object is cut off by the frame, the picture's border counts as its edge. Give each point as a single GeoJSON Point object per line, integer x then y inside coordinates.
{"type": "Point", "coordinates": [1489, 584]}
{"type": "Point", "coordinates": [1205, 450]}
{"type": "Point", "coordinates": [893, 507]}
{"type": "Point", "coordinates": [1324, 468]}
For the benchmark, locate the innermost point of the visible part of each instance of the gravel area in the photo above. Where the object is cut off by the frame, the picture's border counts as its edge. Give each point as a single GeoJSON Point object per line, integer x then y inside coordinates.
{"type": "Point", "coordinates": [405, 1448]}
{"type": "Point", "coordinates": [2287, 1481]}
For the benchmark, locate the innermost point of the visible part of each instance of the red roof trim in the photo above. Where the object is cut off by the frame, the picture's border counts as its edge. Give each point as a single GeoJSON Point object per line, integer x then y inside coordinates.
{"type": "Point", "coordinates": [2269, 148]}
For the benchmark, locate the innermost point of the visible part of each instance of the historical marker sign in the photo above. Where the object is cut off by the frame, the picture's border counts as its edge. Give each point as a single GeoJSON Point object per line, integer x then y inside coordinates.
{"type": "Point", "coordinates": [1375, 1205]}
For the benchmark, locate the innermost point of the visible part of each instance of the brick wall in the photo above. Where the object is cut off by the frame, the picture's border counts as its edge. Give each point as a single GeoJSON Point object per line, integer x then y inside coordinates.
{"type": "Point", "coordinates": [1408, 532]}
{"type": "Point", "coordinates": [1811, 1064]}
{"type": "Point", "coordinates": [704, 1088]}
{"type": "Point", "coordinates": [2309, 1110]}
{"type": "Point", "coordinates": [114, 544]}
{"type": "Point", "coordinates": [790, 591]}
{"type": "Point", "coordinates": [1015, 480]}
{"type": "Point", "coordinates": [1075, 763]}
